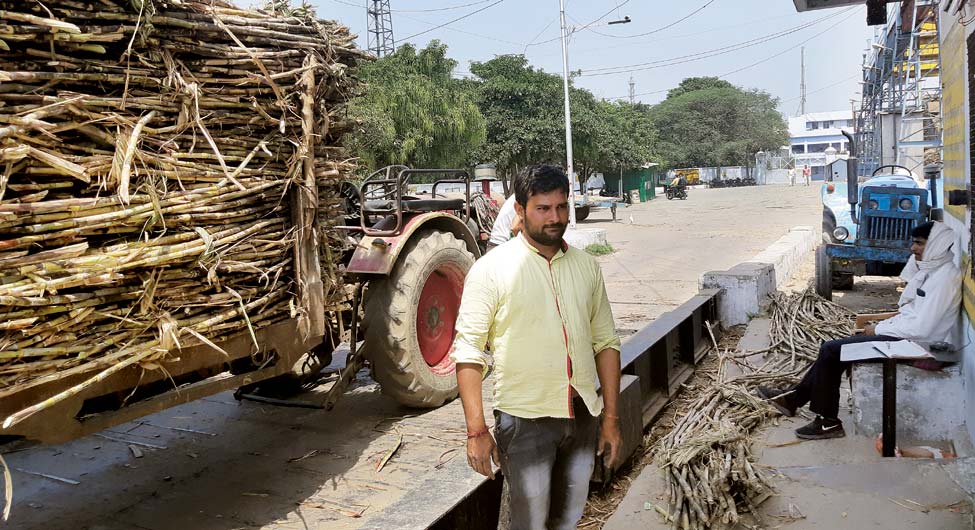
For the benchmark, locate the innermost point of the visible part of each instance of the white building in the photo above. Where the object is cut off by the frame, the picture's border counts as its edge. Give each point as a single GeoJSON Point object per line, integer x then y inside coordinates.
{"type": "Point", "coordinates": [810, 135]}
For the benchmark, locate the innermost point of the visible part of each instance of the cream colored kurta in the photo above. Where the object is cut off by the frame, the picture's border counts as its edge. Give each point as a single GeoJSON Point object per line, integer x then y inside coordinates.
{"type": "Point", "coordinates": [543, 321]}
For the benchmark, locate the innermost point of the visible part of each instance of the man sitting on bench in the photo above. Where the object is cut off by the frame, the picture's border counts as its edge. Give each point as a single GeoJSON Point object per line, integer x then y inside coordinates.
{"type": "Point", "coordinates": [928, 311]}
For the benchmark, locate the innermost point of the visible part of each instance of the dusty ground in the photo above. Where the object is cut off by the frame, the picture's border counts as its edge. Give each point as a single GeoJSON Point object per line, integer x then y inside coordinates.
{"type": "Point", "coordinates": [663, 247]}
{"type": "Point", "coordinates": [841, 483]}
{"type": "Point", "coordinates": [220, 464]}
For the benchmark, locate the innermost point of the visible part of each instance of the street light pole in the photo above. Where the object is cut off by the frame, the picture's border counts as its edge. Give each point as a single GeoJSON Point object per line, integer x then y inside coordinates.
{"type": "Point", "coordinates": [568, 117]}
{"type": "Point", "coordinates": [566, 31]}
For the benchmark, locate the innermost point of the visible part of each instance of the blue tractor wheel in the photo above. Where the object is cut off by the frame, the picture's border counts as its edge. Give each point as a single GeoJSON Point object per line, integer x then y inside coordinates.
{"type": "Point", "coordinates": [824, 276]}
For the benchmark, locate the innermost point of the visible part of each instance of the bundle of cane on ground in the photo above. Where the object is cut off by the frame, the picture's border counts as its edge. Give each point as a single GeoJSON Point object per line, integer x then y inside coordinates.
{"type": "Point", "coordinates": [148, 152]}
{"type": "Point", "coordinates": [707, 456]}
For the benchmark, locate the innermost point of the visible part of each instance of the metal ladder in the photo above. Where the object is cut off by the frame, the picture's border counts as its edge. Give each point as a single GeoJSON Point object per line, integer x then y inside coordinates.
{"type": "Point", "coordinates": [920, 127]}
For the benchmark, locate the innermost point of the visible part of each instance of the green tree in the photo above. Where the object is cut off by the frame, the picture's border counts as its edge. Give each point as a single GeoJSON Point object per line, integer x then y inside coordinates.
{"type": "Point", "coordinates": [692, 84]}
{"type": "Point", "coordinates": [627, 136]}
{"type": "Point", "coordinates": [523, 108]}
{"type": "Point", "coordinates": [709, 122]}
{"type": "Point", "coordinates": [413, 113]}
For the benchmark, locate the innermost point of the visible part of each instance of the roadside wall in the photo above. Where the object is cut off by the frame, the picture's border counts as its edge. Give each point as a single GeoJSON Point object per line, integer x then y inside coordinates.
{"type": "Point", "coordinates": [957, 42]}
{"type": "Point", "coordinates": [745, 288]}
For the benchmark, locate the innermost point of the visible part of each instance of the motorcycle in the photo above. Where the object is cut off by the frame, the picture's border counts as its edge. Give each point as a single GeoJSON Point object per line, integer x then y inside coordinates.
{"type": "Point", "coordinates": [679, 192]}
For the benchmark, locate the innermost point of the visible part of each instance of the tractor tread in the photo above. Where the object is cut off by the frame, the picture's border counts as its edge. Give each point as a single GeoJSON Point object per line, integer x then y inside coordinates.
{"type": "Point", "coordinates": [390, 323]}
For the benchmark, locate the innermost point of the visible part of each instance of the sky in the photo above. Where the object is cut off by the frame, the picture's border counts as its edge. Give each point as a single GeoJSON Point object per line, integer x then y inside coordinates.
{"type": "Point", "coordinates": [751, 43]}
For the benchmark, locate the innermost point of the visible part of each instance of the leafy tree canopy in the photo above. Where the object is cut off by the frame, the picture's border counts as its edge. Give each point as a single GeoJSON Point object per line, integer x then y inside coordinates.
{"type": "Point", "coordinates": [691, 84]}
{"type": "Point", "coordinates": [413, 113]}
{"type": "Point", "coordinates": [705, 123]}
{"type": "Point", "coordinates": [523, 108]}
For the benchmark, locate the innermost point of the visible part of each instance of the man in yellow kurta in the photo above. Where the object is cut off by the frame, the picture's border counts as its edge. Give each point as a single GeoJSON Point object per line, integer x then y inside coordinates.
{"type": "Point", "coordinates": [541, 307]}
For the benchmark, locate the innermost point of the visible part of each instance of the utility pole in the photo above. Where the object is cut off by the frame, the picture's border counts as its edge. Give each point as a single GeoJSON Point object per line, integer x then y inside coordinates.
{"type": "Point", "coordinates": [380, 28]}
{"type": "Point", "coordinates": [568, 117]}
{"type": "Point", "coordinates": [566, 31]}
{"type": "Point", "coordinates": [802, 81]}
{"type": "Point", "coordinates": [632, 91]}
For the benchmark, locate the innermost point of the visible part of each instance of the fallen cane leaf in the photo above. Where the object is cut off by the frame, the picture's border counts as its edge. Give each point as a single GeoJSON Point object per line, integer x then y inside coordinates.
{"type": "Point", "coordinates": [389, 455]}
{"type": "Point", "coordinates": [785, 444]}
{"type": "Point", "coordinates": [441, 462]}
{"type": "Point", "coordinates": [335, 507]}
{"type": "Point", "coordinates": [309, 454]}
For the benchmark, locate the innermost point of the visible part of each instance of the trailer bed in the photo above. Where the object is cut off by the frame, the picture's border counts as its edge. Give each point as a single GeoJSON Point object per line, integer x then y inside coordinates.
{"type": "Point", "coordinates": [216, 463]}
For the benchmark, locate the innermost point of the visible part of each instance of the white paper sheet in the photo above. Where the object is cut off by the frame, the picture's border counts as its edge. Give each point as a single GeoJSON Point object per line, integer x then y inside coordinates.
{"type": "Point", "coordinates": [903, 349]}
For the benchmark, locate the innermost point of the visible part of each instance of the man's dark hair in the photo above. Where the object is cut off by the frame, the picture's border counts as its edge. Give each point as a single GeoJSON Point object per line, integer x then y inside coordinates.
{"type": "Point", "coordinates": [923, 230]}
{"type": "Point", "coordinates": [539, 178]}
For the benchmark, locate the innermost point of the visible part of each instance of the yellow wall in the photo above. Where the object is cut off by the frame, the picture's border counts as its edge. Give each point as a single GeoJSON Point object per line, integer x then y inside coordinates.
{"type": "Point", "coordinates": [956, 151]}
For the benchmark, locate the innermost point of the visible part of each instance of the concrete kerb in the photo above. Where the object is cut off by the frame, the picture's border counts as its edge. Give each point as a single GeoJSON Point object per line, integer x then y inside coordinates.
{"type": "Point", "coordinates": [747, 286]}
{"type": "Point", "coordinates": [583, 237]}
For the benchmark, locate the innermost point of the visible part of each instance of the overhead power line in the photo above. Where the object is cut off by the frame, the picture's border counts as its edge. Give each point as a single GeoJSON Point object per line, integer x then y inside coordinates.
{"type": "Point", "coordinates": [789, 49]}
{"type": "Point", "coordinates": [463, 31]}
{"type": "Point", "coordinates": [820, 89]}
{"type": "Point", "coordinates": [532, 42]}
{"type": "Point", "coordinates": [584, 26]}
{"type": "Point", "coordinates": [449, 8]}
{"type": "Point", "coordinates": [705, 31]}
{"type": "Point", "coordinates": [449, 22]}
{"type": "Point", "coordinates": [660, 63]}
{"type": "Point", "coordinates": [764, 60]}
{"type": "Point", "coordinates": [661, 28]}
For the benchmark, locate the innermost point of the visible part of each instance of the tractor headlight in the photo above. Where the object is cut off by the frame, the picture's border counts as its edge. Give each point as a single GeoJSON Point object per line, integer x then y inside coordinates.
{"type": "Point", "coordinates": [907, 204]}
{"type": "Point", "coordinates": [873, 205]}
{"type": "Point", "coordinates": [840, 233]}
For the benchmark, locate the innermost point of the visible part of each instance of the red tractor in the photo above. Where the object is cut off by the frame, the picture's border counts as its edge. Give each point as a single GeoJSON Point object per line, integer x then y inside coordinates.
{"type": "Point", "coordinates": [413, 254]}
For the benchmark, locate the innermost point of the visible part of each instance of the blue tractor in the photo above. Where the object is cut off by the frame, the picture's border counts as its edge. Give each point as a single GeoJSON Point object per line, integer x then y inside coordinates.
{"type": "Point", "coordinates": [867, 225]}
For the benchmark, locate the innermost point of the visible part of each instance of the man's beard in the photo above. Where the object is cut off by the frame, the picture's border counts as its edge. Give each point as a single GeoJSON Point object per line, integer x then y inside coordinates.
{"type": "Point", "coordinates": [543, 237]}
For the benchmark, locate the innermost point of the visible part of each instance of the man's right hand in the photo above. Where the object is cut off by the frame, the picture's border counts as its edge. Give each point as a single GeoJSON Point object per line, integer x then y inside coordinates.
{"type": "Point", "coordinates": [481, 450]}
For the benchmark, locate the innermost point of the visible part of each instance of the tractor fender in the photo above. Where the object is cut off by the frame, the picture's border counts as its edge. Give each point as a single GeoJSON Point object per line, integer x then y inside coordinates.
{"type": "Point", "coordinates": [378, 255]}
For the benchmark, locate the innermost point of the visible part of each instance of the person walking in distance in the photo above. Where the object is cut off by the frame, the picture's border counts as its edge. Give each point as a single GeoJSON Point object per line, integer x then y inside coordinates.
{"type": "Point", "coordinates": [806, 174]}
{"type": "Point", "coordinates": [541, 308]}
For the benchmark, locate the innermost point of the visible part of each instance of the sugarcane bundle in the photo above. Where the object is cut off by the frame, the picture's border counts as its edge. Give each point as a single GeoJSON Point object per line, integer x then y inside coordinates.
{"type": "Point", "coordinates": [707, 458]}
{"type": "Point", "coordinates": [150, 153]}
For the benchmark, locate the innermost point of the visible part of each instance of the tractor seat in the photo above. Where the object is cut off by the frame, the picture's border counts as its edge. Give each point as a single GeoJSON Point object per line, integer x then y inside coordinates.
{"type": "Point", "coordinates": [413, 205]}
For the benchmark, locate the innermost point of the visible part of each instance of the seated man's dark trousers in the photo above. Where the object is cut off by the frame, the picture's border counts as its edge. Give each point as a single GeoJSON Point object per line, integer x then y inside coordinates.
{"type": "Point", "coordinates": [820, 387]}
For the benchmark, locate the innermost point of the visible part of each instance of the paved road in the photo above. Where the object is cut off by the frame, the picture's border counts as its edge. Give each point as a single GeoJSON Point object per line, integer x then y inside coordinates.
{"type": "Point", "coordinates": [220, 464]}
{"type": "Point", "coordinates": [663, 247]}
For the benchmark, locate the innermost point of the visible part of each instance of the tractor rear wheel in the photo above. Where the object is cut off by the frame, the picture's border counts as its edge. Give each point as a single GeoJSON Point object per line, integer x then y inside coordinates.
{"type": "Point", "coordinates": [409, 320]}
{"type": "Point", "coordinates": [824, 276]}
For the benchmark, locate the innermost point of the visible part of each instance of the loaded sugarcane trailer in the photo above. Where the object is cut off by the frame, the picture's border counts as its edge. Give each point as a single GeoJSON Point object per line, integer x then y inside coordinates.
{"type": "Point", "coordinates": [177, 217]}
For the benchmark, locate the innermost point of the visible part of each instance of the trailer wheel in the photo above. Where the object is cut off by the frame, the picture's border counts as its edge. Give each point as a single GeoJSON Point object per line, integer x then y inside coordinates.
{"type": "Point", "coordinates": [409, 320]}
{"type": "Point", "coordinates": [824, 276]}
{"type": "Point", "coordinates": [582, 212]}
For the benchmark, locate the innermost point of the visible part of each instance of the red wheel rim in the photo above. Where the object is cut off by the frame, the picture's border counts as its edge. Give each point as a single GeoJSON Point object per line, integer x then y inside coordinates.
{"type": "Point", "coordinates": [436, 315]}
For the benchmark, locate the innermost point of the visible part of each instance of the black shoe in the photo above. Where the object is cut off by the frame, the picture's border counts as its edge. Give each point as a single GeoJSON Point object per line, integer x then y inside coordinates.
{"type": "Point", "coordinates": [820, 429]}
{"type": "Point", "coordinates": [777, 400]}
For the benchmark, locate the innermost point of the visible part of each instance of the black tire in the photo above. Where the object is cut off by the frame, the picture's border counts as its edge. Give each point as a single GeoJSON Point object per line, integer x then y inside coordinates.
{"type": "Point", "coordinates": [582, 212]}
{"type": "Point", "coordinates": [842, 281]}
{"type": "Point", "coordinates": [392, 315]}
{"type": "Point", "coordinates": [824, 276]}
{"type": "Point", "coordinates": [670, 195]}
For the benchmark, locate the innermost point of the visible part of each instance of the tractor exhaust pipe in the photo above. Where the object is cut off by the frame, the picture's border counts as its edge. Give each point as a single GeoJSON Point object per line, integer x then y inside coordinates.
{"type": "Point", "coordinates": [852, 179]}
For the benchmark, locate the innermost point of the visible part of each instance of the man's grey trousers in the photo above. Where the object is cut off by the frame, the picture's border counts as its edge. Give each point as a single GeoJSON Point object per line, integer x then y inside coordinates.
{"type": "Point", "coordinates": [547, 463]}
